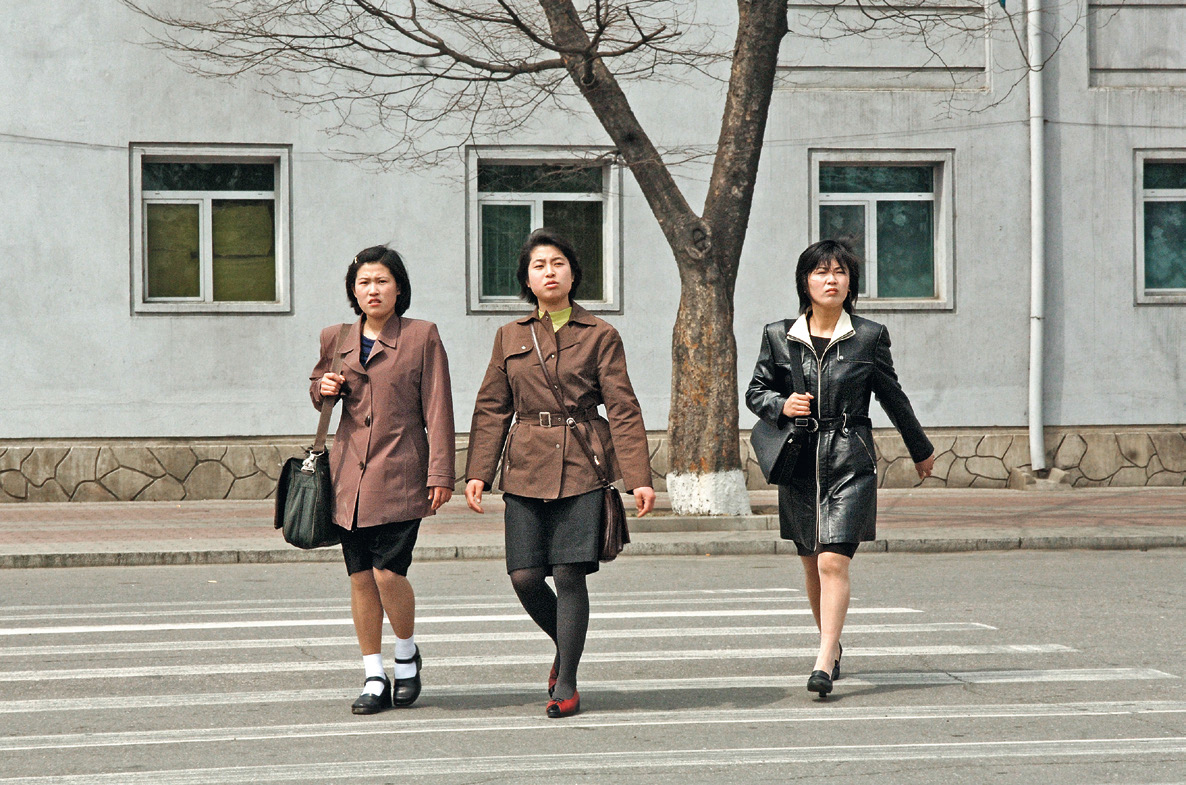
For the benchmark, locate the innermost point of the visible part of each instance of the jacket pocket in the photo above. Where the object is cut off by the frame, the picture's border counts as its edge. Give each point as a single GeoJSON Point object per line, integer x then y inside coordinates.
{"type": "Point", "coordinates": [868, 451]}
{"type": "Point", "coordinates": [506, 451]}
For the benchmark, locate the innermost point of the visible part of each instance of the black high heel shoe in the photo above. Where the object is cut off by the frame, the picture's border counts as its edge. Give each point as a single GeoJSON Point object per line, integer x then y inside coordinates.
{"type": "Point", "coordinates": [819, 682]}
{"type": "Point", "coordinates": [406, 691]}
{"type": "Point", "coordinates": [836, 667]}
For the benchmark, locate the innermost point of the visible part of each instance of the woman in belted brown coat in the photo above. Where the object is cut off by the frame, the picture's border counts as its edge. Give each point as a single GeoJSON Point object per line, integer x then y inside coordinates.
{"type": "Point", "coordinates": [391, 460]}
{"type": "Point", "coordinates": [551, 489]}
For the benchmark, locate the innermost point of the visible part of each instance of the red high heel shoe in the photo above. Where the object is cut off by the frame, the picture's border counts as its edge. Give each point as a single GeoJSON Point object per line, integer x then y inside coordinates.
{"type": "Point", "coordinates": [555, 674]}
{"type": "Point", "coordinates": [564, 708]}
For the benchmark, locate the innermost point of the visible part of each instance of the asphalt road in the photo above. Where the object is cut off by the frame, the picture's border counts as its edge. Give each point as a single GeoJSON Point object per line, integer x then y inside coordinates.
{"type": "Point", "coordinates": [1020, 667]}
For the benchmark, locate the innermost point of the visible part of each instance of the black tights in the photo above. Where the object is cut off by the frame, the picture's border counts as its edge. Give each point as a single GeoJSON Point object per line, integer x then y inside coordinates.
{"type": "Point", "coordinates": [564, 616]}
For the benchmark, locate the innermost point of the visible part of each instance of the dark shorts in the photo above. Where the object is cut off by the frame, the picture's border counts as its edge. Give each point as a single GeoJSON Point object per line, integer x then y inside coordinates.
{"type": "Point", "coordinates": [848, 549]}
{"type": "Point", "coordinates": [543, 533]}
{"type": "Point", "coordinates": [384, 547]}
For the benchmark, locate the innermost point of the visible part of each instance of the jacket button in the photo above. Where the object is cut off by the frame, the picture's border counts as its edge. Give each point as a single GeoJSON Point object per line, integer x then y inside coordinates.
{"type": "Point", "coordinates": [523, 347]}
{"type": "Point", "coordinates": [367, 421]}
{"type": "Point", "coordinates": [557, 446]}
{"type": "Point", "coordinates": [361, 465]}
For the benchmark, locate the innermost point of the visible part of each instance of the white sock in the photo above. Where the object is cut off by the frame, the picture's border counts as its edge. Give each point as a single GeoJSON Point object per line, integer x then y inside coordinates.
{"type": "Point", "coordinates": [405, 649]}
{"type": "Point", "coordinates": [373, 665]}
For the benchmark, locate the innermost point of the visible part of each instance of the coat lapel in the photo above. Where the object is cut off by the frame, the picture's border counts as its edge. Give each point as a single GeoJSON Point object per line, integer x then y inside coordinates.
{"type": "Point", "coordinates": [352, 349]}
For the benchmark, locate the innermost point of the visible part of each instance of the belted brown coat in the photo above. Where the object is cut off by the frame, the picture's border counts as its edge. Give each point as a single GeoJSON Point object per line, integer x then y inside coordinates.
{"type": "Point", "coordinates": [545, 461]}
{"type": "Point", "coordinates": [395, 438]}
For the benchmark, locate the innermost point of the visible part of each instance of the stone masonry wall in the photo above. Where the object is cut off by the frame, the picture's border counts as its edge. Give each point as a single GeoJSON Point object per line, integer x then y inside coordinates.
{"type": "Point", "coordinates": [175, 470]}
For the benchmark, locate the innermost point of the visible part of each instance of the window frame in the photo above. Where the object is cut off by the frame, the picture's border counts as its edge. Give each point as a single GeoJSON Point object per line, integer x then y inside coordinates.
{"type": "Point", "coordinates": [1141, 195]}
{"type": "Point", "coordinates": [610, 300]}
{"type": "Point", "coordinates": [943, 164]}
{"type": "Point", "coordinates": [278, 156]}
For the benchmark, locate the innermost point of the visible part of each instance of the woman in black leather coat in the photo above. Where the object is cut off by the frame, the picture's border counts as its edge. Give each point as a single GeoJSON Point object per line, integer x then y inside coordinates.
{"type": "Point", "coordinates": [830, 504]}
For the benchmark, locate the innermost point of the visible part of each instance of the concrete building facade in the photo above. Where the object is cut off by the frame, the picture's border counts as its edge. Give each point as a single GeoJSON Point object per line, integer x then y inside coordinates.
{"type": "Point", "coordinates": [171, 245]}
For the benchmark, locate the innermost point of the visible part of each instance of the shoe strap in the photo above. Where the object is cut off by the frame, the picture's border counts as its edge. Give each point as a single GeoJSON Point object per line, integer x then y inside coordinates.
{"type": "Point", "coordinates": [409, 660]}
{"type": "Point", "coordinates": [369, 679]}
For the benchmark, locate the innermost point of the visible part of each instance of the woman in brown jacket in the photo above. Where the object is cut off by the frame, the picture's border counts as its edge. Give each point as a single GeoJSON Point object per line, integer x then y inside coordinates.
{"type": "Point", "coordinates": [391, 460]}
{"type": "Point", "coordinates": [552, 494]}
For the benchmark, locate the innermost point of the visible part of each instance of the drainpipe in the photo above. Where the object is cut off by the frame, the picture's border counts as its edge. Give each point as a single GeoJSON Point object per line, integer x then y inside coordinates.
{"type": "Point", "coordinates": [1037, 122]}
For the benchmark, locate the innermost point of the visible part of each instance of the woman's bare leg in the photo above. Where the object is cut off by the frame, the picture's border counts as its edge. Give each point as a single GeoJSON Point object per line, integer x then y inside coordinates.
{"type": "Point", "coordinates": [834, 595]}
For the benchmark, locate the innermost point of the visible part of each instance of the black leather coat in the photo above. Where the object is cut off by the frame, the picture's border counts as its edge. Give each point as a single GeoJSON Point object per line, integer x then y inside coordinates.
{"type": "Point", "coordinates": [838, 503]}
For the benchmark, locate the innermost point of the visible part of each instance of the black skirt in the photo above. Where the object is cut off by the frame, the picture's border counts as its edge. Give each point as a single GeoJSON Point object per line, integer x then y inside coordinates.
{"type": "Point", "coordinates": [543, 533]}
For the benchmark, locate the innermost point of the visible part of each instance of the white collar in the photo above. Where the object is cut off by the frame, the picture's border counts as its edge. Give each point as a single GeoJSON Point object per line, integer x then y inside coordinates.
{"type": "Point", "coordinates": [800, 331]}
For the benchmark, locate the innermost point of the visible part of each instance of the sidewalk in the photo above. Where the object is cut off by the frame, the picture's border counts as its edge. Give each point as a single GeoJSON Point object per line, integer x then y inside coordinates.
{"type": "Point", "coordinates": [930, 520]}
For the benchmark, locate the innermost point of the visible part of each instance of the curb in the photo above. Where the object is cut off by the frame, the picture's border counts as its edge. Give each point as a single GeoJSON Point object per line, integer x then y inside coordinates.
{"type": "Point", "coordinates": [685, 548]}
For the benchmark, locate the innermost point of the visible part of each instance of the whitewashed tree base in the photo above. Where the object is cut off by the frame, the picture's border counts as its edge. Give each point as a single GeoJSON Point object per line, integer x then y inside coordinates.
{"type": "Point", "coordinates": [720, 493]}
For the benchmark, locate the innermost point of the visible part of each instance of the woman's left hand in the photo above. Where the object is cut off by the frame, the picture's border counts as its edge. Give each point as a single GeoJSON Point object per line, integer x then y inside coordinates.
{"type": "Point", "coordinates": [644, 499]}
{"type": "Point", "coordinates": [438, 495]}
{"type": "Point", "coordinates": [925, 467]}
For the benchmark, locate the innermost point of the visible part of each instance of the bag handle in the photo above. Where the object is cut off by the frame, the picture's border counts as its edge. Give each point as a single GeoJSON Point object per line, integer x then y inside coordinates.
{"type": "Point", "coordinates": [568, 418]}
{"type": "Point", "coordinates": [327, 403]}
{"type": "Point", "coordinates": [797, 378]}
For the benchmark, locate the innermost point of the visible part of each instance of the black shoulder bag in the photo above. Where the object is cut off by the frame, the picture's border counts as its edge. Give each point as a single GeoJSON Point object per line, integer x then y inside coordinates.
{"type": "Point", "coordinates": [777, 449]}
{"type": "Point", "coordinates": [305, 493]}
{"type": "Point", "coordinates": [614, 534]}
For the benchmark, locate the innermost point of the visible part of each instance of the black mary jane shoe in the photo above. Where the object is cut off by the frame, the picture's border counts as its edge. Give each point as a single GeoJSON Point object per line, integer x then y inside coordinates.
{"type": "Point", "coordinates": [836, 666]}
{"type": "Point", "coordinates": [373, 704]}
{"type": "Point", "coordinates": [820, 682]}
{"type": "Point", "coordinates": [407, 690]}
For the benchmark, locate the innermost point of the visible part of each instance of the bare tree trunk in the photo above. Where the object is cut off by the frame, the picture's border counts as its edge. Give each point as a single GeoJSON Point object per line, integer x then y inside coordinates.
{"type": "Point", "coordinates": [705, 475]}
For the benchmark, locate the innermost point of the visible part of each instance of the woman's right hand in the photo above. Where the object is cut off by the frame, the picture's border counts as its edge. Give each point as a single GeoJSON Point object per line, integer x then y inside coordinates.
{"type": "Point", "coordinates": [473, 495]}
{"type": "Point", "coordinates": [331, 384]}
{"type": "Point", "coordinates": [798, 405]}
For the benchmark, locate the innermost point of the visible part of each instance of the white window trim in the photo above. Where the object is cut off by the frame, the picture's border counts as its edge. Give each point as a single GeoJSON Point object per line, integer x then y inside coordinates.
{"type": "Point", "coordinates": [280, 156]}
{"type": "Point", "coordinates": [611, 299]}
{"type": "Point", "coordinates": [1142, 195]}
{"type": "Point", "coordinates": [943, 198]}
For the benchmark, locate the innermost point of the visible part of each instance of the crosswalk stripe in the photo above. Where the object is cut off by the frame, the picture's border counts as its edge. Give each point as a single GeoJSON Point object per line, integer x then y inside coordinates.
{"type": "Point", "coordinates": [83, 629]}
{"type": "Point", "coordinates": [336, 602]}
{"type": "Point", "coordinates": [423, 606]}
{"type": "Point", "coordinates": [350, 641]}
{"type": "Point", "coordinates": [390, 725]}
{"type": "Point", "coordinates": [662, 655]}
{"type": "Point", "coordinates": [600, 762]}
{"type": "Point", "coordinates": [531, 690]}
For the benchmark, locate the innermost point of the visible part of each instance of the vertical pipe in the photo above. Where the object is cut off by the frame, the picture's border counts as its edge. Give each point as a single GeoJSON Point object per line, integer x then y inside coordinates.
{"type": "Point", "coordinates": [1037, 121]}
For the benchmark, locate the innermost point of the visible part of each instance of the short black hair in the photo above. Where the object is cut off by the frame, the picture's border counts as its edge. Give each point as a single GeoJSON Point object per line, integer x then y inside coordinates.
{"type": "Point", "coordinates": [389, 258]}
{"type": "Point", "coordinates": [540, 237]}
{"type": "Point", "coordinates": [823, 253]}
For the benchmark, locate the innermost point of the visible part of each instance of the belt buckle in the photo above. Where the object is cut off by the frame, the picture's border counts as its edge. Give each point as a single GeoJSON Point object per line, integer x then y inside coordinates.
{"type": "Point", "coordinates": [810, 423]}
{"type": "Point", "coordinates": [545, 419]}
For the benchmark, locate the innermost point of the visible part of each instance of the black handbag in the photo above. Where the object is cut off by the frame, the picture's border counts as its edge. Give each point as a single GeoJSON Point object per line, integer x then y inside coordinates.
{"type": "Point", "coordinates": [614, 534]}
{"type": "Point", "coordinates": [777, 448]}
{"type": "Point", "coordinates": [305, 493]}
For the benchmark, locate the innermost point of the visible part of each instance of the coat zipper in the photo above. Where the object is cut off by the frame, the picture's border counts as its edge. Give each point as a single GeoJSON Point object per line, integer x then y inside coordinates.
{"type": "Point", "coordinates": [819, 375]}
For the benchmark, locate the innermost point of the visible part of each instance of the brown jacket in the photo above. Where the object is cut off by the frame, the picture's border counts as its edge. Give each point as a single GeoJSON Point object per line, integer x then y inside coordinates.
{"type": "Point", "coordinates": [395, 437]}
{"type": "Point", "coordinates": [587, 359]}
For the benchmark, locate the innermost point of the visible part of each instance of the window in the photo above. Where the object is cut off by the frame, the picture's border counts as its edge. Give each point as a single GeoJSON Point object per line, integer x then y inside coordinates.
{"type": "Point", "coordinates": [209, 229]}
{"type": "Point", "coordinates": [1161, 228]}
{"type": "Point", "coordinates": [512, 193]}
{"type": "Point", "coordinates": [893, 210]}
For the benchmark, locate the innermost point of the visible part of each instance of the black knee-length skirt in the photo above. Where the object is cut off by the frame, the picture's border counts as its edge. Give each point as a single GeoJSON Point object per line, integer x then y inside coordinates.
{"type": "Point", "coordinates": [543, 533]}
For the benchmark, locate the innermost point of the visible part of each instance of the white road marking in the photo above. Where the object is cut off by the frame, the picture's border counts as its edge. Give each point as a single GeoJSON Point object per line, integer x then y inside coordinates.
{"type": "Point", "coordinates": [351, 642]}
{"type": "Point", "coordinates": [531, 690]}
{"type": "Point", "coordinates": [662, 655]}
{"type": "Point", "coordinates": [337, 607]}
{"type": "Point", "coordinates": [83, 629]}
{"type": "Point", "coordinates": [600, 762]}
{"type": "Point", "coordinates": [336, 601]}
{"type": "Point", "coordinates": [388, 724]}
